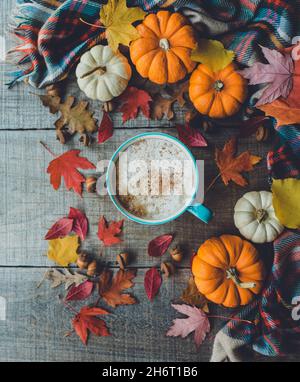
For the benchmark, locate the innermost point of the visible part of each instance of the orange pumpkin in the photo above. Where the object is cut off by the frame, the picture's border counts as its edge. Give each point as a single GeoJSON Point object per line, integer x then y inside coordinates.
{"type": "Point", "coordinates": [217, 94]}
{"type": "Point", "coordinates": [228, 271]}
{"type": "Point", "coordinates": [163, 52]}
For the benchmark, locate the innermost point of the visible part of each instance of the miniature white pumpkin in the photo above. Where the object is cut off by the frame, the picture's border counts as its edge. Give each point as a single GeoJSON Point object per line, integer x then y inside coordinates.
{"type": "Point", "coordinates": [103, 74]}
{"type": "Point", "coordinates": [255, 217]}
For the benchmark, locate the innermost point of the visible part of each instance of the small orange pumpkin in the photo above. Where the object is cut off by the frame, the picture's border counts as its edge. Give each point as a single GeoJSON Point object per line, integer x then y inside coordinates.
{"type": "Point", "coordinates": [217, 94]}
{"type": "Point", "coordinates": [228, 271]}
{"type": "Point", "coordinates": [163, 52]}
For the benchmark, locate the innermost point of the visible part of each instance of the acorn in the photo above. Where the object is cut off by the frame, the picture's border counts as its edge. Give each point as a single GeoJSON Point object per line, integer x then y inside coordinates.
{"type": "Point", "coordinates": [91, 184]}
{"type": "Point", "coordinates": [262, 133]}
{"type": "Point", "coordinates": [109, 106]}
{"type": "Point", "coordinates": [167, 269]}
{"type": "Point", "coordinates": [122, 260]}
{"type": "Point", "coordinates": [83, 261]}
{"type": "Point", "coordinates": [176, 254]}
{"type": "Point", "coordinates": [92, 268]}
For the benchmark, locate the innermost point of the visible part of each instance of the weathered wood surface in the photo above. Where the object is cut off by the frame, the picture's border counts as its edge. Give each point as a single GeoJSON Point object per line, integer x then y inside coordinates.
{"type": "Point", "coordinates": [36, 321]}
{"type": "Point", "coordinates": [30, 204]}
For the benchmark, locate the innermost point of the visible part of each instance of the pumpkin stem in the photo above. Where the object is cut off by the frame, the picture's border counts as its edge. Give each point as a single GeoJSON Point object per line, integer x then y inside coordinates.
{"type": "Point", "coordinates": [231, 273]}
{"type": "Point", "coordinates": [261, 215]}
{"type": "Point", "coordinates": [218, 85]}
{"type": "Point", "coordinates": [164, 44]}
{"type": "Point", "coordinates": [98, 69]}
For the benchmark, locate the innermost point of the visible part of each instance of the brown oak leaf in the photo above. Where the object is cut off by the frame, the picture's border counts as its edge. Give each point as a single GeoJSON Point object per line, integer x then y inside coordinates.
{"type": "Point", "coordinates": [231, 166]}
{"type": "Point", "coordinates": [73, 118]}
{"type": "Point", "coordinates": [164, 106]}
{"type": "Point", "coordinates": [110, 289]}
{"type": "Point", "coordinates": [192, 296]}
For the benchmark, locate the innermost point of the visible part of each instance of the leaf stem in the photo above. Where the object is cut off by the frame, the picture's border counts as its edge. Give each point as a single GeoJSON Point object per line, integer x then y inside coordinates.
{"type": "Point", "coordinates": [92, 25]}
{"type": "Point", "coordinates": [212, 183]}
{"type": "Point", "coordinates": [231, 319]}
{"type": "Point", "coordinates": [47, 148]}
{"type": "Point", "coordinates": [70, 307]}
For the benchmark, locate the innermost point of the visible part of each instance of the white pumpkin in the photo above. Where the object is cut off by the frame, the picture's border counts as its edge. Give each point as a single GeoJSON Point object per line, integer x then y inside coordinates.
{"type": "Point", "coordinates": [255, 217]}
{"type": "Point", "coordinates": [103, 74]}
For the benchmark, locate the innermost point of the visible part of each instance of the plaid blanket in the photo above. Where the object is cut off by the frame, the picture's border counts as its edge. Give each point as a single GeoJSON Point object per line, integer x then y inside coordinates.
{"type": "Point", "coordinates": [275, 330]}
{"type": "Point", "coordinates": [53, 37]}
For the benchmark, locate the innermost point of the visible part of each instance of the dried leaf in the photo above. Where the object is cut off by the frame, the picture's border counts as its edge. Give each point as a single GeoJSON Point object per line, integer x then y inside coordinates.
{"type": "Point", "coordinates": [232, 166]}
{"type": "Point", "coordinates": [133, 100]}
{"type": "Point", "coordinates": [159, 246]}
{"type": "Point", "coordinates": [58, 278]}
{"type": "Point", "coordinates": [152, 283]}
{"type": "Point", "coordinates": [190, 136]}
{"type": "Point", "coordinates": [111, 289]}
{"type": "Point", "coordinates": [250, 126]}
{"type": "Point", "coordinates": [80, 292]}
{"type": "Point", "coordinates": [163, 106]}
{"type": "Point", "coordinates": [60, 229]}
{"type": "Point", "coordinates": [66, 166]}
{"type": "Point", "coordinates": [106, 128]}
{"type": "Point", "coordinates": [80, 222]}
{"type": "Point", "coordinates": [282, 111]}
{"type": "Point", "coordinates": [86, 321]}
{"type": "Point", "coordinates": [76, 117]}
{"type": "Point", "coordinates": [278, 74]}
{"type": "Point", "coordinates": [107, 232]}
{"type": "Point", "coordinates": [212, 54]}
{"type": "Point", "coordinates": [196, 322]}
{"type": "Point", "coordinates": [118, 19]}
{"type": "Point", "coordinates": [192, 296]}
{"type": "Point", "coordinates": [286, 201]}
{"type": "Point", "coordinates": [63, 251]}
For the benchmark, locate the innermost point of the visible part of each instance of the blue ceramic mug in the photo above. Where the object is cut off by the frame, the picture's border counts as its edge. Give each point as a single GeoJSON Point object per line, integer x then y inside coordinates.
{"type": "Point", "coordinates": [191, 205]}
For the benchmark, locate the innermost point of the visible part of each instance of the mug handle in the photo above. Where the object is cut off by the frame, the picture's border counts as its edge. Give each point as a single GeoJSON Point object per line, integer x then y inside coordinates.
{"type": "Point", "coordinates": [201, 212]}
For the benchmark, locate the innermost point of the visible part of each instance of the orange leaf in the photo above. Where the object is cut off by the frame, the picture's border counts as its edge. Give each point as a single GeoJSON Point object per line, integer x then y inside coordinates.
{"type": "Point", "coordinates": [110, 289]}
{"type": "Point", "coordinates": [86, 321]}
{"type": "Point", "coordinates": [107, 232]}
{"type": "Point", "coordinates": [66, 166]}
{"type": "Point", "coordinates": [282, 111]}
{"type": "Point", "coordinates": [231, 166]}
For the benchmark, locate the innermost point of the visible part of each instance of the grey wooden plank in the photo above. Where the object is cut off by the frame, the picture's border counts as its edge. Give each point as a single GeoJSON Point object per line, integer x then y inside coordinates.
{"type": "Point", "coordinates": [36, 323]}
{"type": "Point", "coordinates": [30, 205]}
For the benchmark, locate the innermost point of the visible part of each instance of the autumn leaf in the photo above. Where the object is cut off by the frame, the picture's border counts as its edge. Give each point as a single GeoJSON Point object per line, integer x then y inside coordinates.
{"type": "Point", "coordinates": [110, 289]}
{"type": "Point", "coordinates": [66, 166]}
{"type": "Point", "coordinates": [282, 111]}
{"type": "Point", "coordinates": [80, 222]}
{"type": "Point", "coordinates": [106, 128]}
{"type": "Point", "coordinates": [60, 229]}
{"type": "Point", "coordinates": [212, 54]}
{"type": "Point", "coordinates": [190, 136]}
{"type": "Point", "coordinates": [192, 296]}
{"type": "Point", "coordinates": [117, 20]}
{"type": "Point", "coordinates": [231, 166]}
{"type": "Point", "coordinates": [63, 251]}
{"type": "Point", "coordinates": [73, 117]}
{"type": "Point", "coordinates": [87, 321]}
{"type": "Point", "coordinates": [58, 278]}
{"type": "Point", "coordinates": [152, 283]}
{"type": "Point", "coordinates": [80, 292]}
{"type": "Point", "coordinates": [158, 246]}
{"type": "Point", "coordinates": [277, 74]}
{"type": "Point", "coordinates": [107, 232]}
{"type": "Point", "coordinates": [196, 322]}
{"type": "Point", "coordinates": [133, 100]}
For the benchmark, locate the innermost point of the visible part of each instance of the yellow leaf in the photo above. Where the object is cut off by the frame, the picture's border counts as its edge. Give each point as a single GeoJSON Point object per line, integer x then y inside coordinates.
{"type": "Point", "coordinates": [63, 251]}
{"type": "Point", "coordinates": [117, 19]}
{"type": "Point", "coordinates": [213, 54]}
{"type": "Point", "coordinates": [286, 196]}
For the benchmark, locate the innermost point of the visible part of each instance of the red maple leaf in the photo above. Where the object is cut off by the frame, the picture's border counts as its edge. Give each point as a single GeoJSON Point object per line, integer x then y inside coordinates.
{"type": "Point", "coordinates": [133, 100]}
{"type": "Point", "coordinates": [86, 321]}
{"type": "Point", "coordinates": [66, 166]}
{"type": "Point", "coordinates": [106, 128]}
{"type": "Point", "coordinates": [107, 232]}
